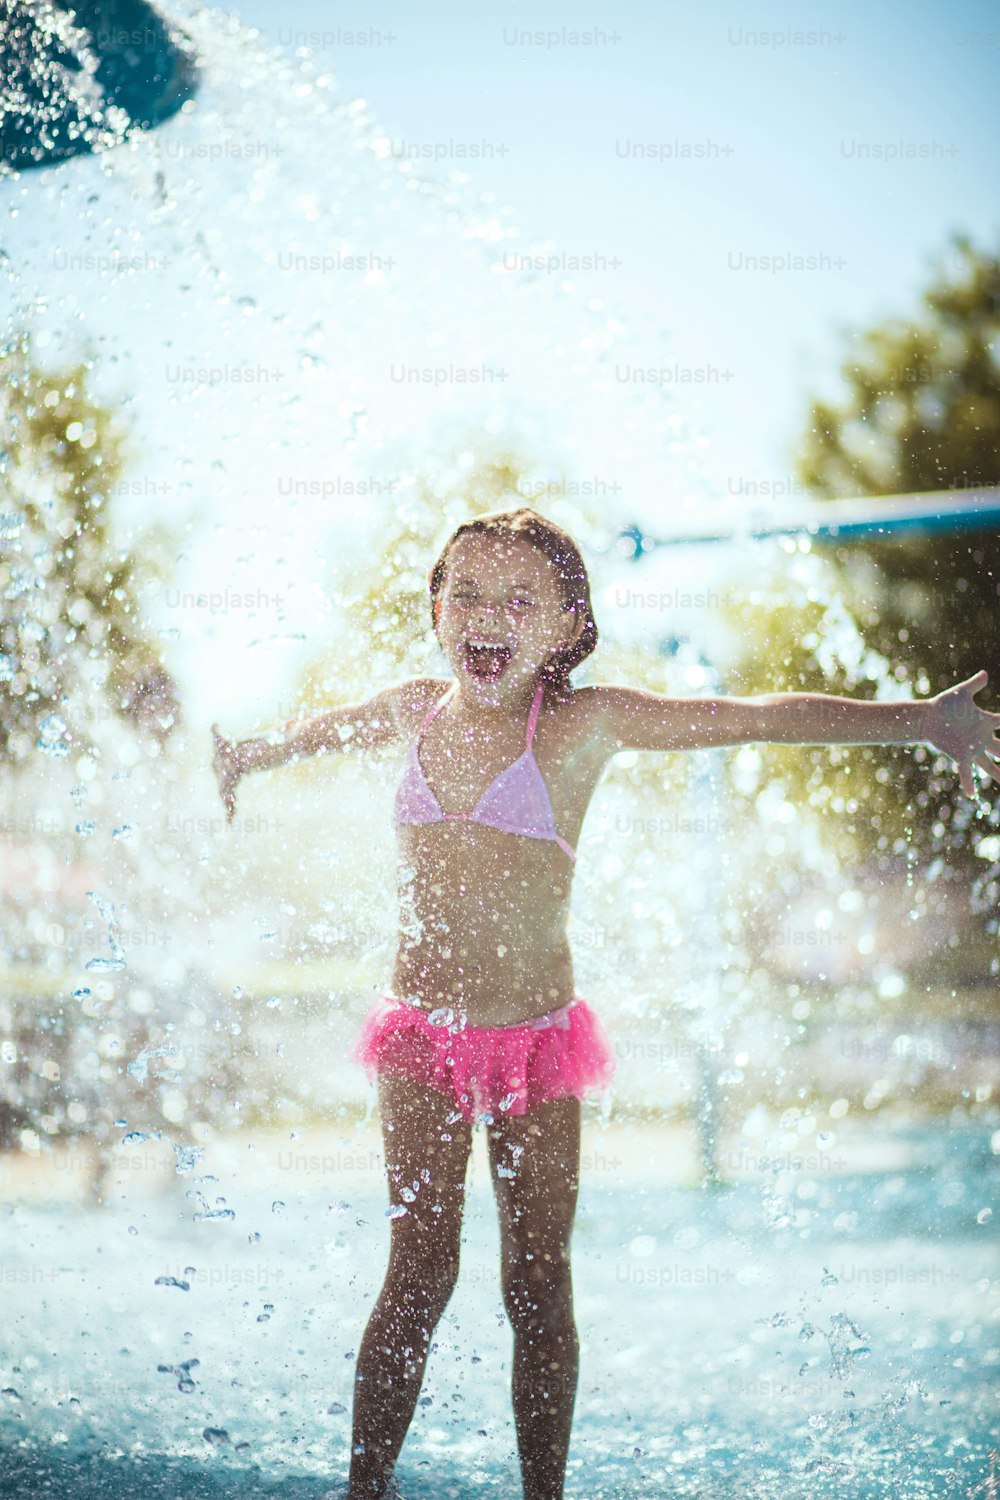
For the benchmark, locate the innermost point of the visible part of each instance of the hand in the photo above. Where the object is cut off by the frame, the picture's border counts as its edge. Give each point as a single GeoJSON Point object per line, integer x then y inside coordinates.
{"type": "Point", "coordinates": [966, 732]}
{"type": "Point", "coordinates": [227, 771]}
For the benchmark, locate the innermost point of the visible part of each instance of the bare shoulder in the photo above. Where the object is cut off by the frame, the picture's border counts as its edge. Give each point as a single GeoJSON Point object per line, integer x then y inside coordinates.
{"type": "Point", "coordinates": [581, 714]}
{"type": "Point", "coordinates": [420, 692]}
{"type": "Point", "coordinates": [613, 718]}
{"type": "Point", "coordinates": [414, 697]}
{"type": "Point", "coordinates": [591, 707]}
{"type": "Point", "coordinates": [383, 719]}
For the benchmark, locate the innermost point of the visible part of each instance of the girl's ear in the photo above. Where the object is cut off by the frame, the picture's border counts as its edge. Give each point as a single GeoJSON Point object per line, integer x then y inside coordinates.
{"type": "Point", "coordinates": [579, 625]}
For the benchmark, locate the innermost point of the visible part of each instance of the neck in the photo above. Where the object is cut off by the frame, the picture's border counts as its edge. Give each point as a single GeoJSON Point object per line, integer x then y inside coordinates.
{"type": "Point", "coordinates": [518, 706]}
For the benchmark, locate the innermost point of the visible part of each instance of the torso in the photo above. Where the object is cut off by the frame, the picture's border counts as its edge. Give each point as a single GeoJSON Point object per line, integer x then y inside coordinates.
{"type": "Point", "coordinates": [484, 912]}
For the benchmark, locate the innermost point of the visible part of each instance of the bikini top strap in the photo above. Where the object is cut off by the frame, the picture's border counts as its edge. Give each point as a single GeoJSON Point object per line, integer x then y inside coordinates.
{"type": "Point", "coordinates": [434, 711]}
{"type": "Point", "coordinates": [533, 716]}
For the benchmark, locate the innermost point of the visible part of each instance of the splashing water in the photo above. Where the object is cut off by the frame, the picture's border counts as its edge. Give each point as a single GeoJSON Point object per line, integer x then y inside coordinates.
{"type": "Point", "coordinates": [285, 296]}
{"type": "Point", "coordinates": [117, 959]}
{"type": "Point", "coordinates": [139, 1066]}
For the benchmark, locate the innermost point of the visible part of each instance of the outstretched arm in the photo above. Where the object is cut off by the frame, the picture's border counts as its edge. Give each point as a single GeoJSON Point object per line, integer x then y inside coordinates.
{"type": "Point", "coordinates": [950, 722]}
{"type": "Point", "coordinates": [388, 717]}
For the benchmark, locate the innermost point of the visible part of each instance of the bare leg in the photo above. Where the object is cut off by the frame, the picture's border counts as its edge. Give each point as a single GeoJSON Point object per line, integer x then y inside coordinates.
{"type": "Point", "coordinates": [536, 1208]}
{"type": "Point", "coordinates": [429, 1158]}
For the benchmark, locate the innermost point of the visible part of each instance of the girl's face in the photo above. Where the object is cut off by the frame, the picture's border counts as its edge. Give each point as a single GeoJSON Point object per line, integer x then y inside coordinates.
{"type": "Point", "coordinates": [501, 614]}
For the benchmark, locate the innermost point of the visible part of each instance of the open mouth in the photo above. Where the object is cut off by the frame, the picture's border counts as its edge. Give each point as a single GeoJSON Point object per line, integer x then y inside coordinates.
{"type": "Point", "coordinates": [486, 661]}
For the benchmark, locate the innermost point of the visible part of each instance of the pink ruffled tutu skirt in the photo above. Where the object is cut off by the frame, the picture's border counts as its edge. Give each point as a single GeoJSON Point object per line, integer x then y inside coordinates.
{"type": "Point", "coordinates": [488, 1070]}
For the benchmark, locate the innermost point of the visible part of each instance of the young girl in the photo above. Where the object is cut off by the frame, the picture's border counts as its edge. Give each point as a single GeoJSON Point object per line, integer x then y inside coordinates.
{"type": "Point", "coordinates": [482, 1023]}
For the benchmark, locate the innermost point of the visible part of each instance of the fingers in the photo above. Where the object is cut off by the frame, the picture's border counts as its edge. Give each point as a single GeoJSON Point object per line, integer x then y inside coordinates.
{"type": "Point", "coordinates": [992, 770]}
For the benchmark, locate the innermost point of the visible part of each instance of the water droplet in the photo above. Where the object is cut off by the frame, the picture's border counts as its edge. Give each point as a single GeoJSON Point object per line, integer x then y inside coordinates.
{"type": "Point", "coordinates": [49, 730]}
{"type": "Point", "coordinates": [215, 1436]}
{"type": "Point", "coordinates": [138, 1066]}
{"type": "Point", "coordinates": [443, 1016]}
{"type": "Point", "coordinates": [184, 1286]}
{"type": "Point", "coordinates": [396, 1211]}
{"type": "Point", "coordinates": [86, 828]}
{"type": "Point", "coordinates": [117, 959]}
{"type": "Point", "coordinates": [277, 1207]}
{"type": "Point", "coordinates": [187, 1157]}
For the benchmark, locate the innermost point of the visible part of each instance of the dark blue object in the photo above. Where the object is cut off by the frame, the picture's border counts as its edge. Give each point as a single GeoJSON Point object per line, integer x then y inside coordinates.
{"type": "Point", "coordinates": [78, 80]}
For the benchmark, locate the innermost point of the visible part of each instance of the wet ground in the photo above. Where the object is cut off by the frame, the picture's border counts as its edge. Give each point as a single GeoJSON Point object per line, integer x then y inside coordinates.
{"type": "Point", "coordinates": [824, 1325]}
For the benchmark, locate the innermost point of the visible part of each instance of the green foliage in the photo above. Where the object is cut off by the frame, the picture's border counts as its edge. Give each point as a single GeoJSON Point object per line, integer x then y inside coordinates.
{"type": "Point", "coordinates": [923, 405]}
{"type": "Point", "coordinates": [921, 412]}
{"type": "Point", "coordinates": [68, 597]}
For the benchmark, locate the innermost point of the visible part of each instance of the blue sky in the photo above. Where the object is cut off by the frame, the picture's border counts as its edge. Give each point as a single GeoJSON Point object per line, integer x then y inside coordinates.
{"type": "Point", "coordinates": [783, 124]}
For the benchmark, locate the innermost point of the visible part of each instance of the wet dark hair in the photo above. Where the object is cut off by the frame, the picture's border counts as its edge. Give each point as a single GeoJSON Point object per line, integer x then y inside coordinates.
{"type": "Point", "coordinates": [564, 555]}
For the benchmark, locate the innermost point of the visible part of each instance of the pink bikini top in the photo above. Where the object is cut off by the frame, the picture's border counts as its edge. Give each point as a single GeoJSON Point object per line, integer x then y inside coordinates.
{"type": "Point", "coordinates": [516, 801]}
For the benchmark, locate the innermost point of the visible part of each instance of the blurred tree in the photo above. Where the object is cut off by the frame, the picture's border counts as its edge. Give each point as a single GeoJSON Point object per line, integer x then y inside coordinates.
{"type": "Point", "coordinates": [86, 707]}
{"type": "Point", "coordinates": [69, 627]}
{"type": "Point", "coordinates": [921, 413]}
{"type": "Point", "coordinates": [923, 405]}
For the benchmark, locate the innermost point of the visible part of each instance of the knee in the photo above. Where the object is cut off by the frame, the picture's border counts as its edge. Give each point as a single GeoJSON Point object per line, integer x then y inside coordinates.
{"type": "Point", "coordinates": [538, 1295]}
{"type": "Point", "coordinates": [423, 1282]}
